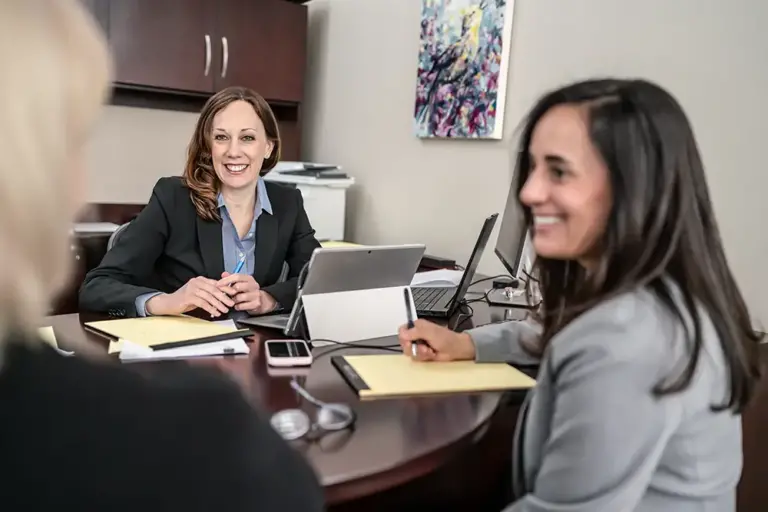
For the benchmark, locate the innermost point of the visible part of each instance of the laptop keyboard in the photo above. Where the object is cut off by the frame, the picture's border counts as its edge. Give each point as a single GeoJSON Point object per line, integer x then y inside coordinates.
{"type": "Point", "coordinates": [426, 298]}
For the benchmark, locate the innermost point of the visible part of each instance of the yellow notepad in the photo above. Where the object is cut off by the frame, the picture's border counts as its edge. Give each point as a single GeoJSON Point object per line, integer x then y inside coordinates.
{"type": "Point", "coordinates": [397, 375]}
{"type": "Point", "coordinates": [336, 243]}
{"type": "Point", "coordinates": [156, 330]}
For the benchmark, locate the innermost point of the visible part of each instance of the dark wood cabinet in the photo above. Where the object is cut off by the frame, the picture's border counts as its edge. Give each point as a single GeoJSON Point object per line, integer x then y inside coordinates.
{"type": "Point", "coordinates": [263, 42]}
{"type": "Point", "coordinates": [200, 46]}
{"type": "Point", "coordinates": [166, 44]}
{"type": "Point", "coordinates": [174, 54]}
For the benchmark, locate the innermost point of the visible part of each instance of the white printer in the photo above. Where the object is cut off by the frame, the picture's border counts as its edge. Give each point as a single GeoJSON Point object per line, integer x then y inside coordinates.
{"type": "Point", "coordinates": [324, 189]}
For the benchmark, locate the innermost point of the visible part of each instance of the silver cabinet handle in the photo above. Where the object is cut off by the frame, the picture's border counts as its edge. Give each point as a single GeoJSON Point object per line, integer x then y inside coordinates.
{"type": "Point", "coordinates": [207, 54]}
{"type": "Point", "coordinates": [225, 57]}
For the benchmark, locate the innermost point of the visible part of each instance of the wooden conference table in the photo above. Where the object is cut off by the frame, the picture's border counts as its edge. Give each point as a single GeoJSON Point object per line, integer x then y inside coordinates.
{"type": "Point", "coordinates": [435, 451]}
{"type": "Point", "coordinates": [444, 453]}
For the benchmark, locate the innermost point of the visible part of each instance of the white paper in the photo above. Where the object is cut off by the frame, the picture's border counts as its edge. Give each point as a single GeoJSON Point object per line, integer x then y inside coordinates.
{"type": "Point", "coordinates": [299, 166]}
{"type": "Point", "coordinates": [357, 315]}
{"type": "Point", "coordinates": [95, 227]}
{"type": "Point", "coordinates": [133, 352]}
{"type": "Point", "coordinates": [442, 278]}
{"type": "Point", "coordinates": [226, 323]}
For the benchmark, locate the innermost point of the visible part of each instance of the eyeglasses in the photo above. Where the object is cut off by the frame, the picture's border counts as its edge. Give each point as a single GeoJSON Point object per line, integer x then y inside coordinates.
{"type": "Point", "coordinates": [294, 424]}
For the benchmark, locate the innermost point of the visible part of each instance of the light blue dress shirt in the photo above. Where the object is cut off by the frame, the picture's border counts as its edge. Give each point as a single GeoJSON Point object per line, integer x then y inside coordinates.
{"type": "Point", "coordinates": [235, 248]}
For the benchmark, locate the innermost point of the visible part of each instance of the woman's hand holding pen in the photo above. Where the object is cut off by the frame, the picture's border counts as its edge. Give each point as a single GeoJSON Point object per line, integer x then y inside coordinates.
{"type": "Point", "coordinates": [199, 292]}
{"type": "Point", "coordinates": [437, 343]}
{"type": "Point", "coordinates": [246, 293]}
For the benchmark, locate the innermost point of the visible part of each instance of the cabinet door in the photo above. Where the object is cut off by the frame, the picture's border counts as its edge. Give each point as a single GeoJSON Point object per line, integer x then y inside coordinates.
{"type": "Point", "coordinates": [264, 47]}
{"type": "Point", "coordinates": [163, 43]}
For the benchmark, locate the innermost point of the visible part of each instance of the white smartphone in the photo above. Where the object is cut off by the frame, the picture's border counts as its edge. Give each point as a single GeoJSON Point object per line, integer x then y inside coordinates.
{"type": "Point", "coordinates": [282, 353]}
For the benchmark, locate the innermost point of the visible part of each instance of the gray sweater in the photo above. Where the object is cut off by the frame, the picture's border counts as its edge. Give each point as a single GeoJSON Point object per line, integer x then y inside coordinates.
{"type": "Point", "coordinates": [593, 438]}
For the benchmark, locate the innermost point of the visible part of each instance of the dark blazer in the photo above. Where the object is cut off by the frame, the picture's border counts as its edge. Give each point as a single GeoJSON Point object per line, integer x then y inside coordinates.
{"type": "Point", "coordinates": [92, 436]}
{"type": "Point", "coordinates": [168, 244]}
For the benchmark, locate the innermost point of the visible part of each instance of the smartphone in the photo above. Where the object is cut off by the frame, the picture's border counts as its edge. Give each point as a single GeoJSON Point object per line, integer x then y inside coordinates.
{"type": "Point", "coordinates": [284, 353]}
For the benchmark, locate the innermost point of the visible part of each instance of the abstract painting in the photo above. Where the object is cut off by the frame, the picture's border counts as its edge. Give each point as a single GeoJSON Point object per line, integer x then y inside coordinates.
{"type": "Point", "coordinates": [463, 61]}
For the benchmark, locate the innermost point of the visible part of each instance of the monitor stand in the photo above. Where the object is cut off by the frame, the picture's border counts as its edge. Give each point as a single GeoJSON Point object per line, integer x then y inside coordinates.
{"type": "Point", "coordinates": [507, 297]}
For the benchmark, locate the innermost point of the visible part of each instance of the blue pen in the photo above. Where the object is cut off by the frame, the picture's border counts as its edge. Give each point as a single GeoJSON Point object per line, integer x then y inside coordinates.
{"type": "Point", "coordinates": [239, 266]}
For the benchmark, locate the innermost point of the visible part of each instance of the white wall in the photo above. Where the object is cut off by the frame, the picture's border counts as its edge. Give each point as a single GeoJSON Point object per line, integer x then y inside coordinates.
{"type": "Point", "coordinates": [712, 54]}
{"type": "Point", "coordinates": [131, 148]}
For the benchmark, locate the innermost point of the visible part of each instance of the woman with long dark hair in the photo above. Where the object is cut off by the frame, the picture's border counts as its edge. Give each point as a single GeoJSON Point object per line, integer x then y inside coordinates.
{"type": "Point", "coordinates": [646, 350]}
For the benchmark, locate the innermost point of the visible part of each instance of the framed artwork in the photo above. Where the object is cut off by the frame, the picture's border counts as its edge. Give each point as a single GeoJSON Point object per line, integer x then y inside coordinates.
{"type": "Point", "coordinates": [463, 62]}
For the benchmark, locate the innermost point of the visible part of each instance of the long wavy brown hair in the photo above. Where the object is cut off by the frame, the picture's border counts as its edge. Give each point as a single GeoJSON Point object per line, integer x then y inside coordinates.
{"type": "Point", "coordinates": [199, 175]}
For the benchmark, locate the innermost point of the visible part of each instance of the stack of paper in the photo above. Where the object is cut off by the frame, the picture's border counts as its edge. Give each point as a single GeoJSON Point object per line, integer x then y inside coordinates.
{"type": "Point", "coordinates": [442, 278]}
{"type": "Point", "coordinates": [157, 330]}
{"type": "Point", "coordinates": [136, 352]}
{"type": "Point", "coordinates": [99, 228]}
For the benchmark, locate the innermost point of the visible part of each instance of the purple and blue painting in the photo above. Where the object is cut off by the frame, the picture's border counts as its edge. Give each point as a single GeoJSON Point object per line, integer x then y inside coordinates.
{"type": "Point", "coordinates": [463, 59]}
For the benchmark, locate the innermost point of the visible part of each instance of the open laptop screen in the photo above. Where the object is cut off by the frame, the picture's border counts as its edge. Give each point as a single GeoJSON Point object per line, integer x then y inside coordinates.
{"type": "Point", "coordinates": [474, 261]}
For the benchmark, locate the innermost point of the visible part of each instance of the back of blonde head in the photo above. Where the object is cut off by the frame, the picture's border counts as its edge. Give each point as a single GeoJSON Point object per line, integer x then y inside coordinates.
{"type": "Point", "coordinates": [55, 76]}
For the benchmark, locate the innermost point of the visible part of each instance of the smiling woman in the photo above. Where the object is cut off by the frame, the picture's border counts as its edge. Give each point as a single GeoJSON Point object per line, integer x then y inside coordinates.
{"type": "Point", "coordinates": [646, 351]}
{"type": "Point", "coordinates": [236, 141]}
{"type": "Point", "coordinates": [568, 189]}
{"type": "Point", "coordinates": [216, 238]}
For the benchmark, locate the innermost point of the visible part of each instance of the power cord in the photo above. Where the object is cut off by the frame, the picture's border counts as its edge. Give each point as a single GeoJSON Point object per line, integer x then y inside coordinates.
{"type": "Point", "coordinates": [462, 317]}
{"type": "Point", "coordinates": [354, 344]}
{"type": "Point", "coordinates": [498, 276]}
{"type": "Point", "coordinates": [341, 345]}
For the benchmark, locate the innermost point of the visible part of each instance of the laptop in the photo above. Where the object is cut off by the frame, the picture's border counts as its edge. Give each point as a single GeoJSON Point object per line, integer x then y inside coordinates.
{"type": "Point", "coordinates": [337, 269]}
{"type": "Point", "coordinates": [442, 302]}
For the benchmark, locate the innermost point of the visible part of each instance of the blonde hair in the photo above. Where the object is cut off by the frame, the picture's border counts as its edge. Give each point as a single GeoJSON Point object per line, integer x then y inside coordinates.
{"type": "Point", "coordinates": [55, 76]}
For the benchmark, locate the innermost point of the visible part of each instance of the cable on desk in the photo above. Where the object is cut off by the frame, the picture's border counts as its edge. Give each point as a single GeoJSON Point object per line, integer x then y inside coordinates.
{"type": "Point", "coordinates": [340, 345]}
{"type": "Point", "coordinates": [499, 276]}
{"type": "Point", "coordinates": [462, 317]}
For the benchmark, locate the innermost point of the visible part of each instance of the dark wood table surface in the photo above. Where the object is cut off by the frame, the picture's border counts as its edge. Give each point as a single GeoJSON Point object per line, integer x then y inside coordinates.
{"type": "Point", "coordinates": [393, 442]}
{"type": "Point", "coordinates": [441, 452]}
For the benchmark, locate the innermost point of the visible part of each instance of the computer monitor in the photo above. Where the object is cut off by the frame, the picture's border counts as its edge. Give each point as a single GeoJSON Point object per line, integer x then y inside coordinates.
{"type": "Point", "coordinates": [512, 235]}
{"type": "Point", "coordinates": [510, 247]}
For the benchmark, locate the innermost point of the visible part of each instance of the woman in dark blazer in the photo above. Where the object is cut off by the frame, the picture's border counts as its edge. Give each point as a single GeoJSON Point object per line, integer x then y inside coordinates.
{"type": "Point", "coordinates": [217, 237]}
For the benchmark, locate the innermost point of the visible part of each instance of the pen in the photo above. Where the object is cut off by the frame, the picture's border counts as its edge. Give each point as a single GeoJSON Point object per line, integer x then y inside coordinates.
{"type": "Point", "coordinates": [239, 266]}
{"type": "Point", "coordinates": [240, 333]}
{"type": "Point", "coordinates": [409, 316]}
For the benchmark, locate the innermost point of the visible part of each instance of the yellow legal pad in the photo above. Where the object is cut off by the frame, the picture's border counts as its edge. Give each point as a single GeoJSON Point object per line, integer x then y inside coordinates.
{"type": "Point", "coordinates": [156, 330]}
{"type": "Point", "coordinates": [337, 243]}
{"type": "Point", "coordinates": [397, 375]}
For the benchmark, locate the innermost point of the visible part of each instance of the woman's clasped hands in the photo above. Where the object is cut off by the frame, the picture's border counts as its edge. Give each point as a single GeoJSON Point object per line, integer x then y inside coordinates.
{"type": "Point", "coordinates": [239, 292]}
{"type": "Point", "coordinates": [246, 293]}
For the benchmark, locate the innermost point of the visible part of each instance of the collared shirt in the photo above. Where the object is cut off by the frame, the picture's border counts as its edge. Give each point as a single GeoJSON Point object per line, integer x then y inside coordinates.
{"type": "Point", "coordinates": [234, 247]}
{"type": "Point", "coordinates": [237, 248]}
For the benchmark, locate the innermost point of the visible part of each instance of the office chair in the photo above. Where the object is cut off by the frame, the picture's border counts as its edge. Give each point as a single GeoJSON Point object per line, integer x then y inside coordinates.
{"type": "Point", "coordinates": [114, 236]}
{"type": "Point", "coordinates": [283, 273]}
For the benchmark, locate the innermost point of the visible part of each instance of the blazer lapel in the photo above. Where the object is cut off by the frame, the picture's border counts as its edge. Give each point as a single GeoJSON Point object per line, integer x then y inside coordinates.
{"type": "Point", "coordinates": [209, 237]}
{"type": "Point", "coordinates": [266, 239]}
